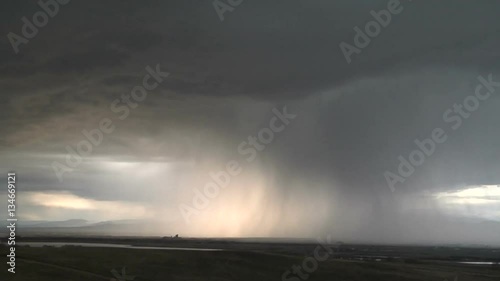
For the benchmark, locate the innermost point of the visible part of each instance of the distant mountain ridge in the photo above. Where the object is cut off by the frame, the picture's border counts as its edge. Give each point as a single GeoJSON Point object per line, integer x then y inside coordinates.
{"type": "Point", "coordinates": [66, 223]}
{"type": "Point", "coordinates": [84, 227]}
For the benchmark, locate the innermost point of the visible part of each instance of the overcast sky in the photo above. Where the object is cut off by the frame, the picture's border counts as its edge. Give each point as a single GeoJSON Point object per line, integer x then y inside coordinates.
{"type": "Point", "coordinates": [323, 174]}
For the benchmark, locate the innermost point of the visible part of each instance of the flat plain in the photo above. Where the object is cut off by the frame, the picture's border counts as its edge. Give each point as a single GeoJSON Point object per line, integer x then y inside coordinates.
{"type": "Point", "coordinates": [240, 260]}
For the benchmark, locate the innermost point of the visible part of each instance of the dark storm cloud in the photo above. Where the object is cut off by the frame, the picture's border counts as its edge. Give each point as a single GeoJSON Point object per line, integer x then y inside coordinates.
{"type": "Point", "coordinates": [263, 49]}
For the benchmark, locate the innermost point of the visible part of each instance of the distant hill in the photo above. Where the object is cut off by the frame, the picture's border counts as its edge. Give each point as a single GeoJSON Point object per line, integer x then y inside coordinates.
{"type": "Point", "coordinates": [41, 224]}
{"type": "Point", "coordinates": [84, 227]}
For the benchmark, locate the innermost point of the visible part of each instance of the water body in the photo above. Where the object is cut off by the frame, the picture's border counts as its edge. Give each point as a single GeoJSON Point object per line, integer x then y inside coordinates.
{"type": "Point", "coordinates": [479, 262]}
{"type": "Point", "coordinates": [104, 245]}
